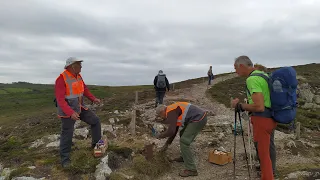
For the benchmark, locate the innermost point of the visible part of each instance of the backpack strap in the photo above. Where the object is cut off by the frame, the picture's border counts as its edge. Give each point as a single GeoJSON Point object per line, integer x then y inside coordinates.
{"type": "Point", "coordinates": [267, 112]}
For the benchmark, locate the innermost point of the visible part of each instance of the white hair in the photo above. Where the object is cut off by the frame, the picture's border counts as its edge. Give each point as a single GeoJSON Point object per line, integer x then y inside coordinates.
{"type": "Point", "coordinates": [243, 60]}
{"type": "Point", "coordinates": [160, 108]}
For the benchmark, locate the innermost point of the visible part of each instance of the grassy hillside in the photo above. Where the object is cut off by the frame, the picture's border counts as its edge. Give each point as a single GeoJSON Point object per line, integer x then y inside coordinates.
{"type": "Point", "coordinates": [29, 113]}
{"type": "Point", "coordinates": [236, 88]}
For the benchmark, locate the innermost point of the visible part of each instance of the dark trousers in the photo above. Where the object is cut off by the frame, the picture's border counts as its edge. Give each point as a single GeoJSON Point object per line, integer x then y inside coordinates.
{"type": "Point", "coordinates": [159, 97]}
{"type": "Point", "coordinates": [272, 152]}
{"type": "Point", "coordinates": [67, 129]}
{"type": "Point", "coordinates": [209, 79]}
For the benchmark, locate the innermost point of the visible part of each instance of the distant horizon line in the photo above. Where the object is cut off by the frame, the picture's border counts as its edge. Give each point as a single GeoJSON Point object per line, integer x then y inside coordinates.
{"type": "Point", "coordinates": [24, 82]}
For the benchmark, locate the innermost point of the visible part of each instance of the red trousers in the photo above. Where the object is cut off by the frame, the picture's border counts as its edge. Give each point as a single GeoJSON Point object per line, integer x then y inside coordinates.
{"type": "Point", "coordinates": [262, 129]}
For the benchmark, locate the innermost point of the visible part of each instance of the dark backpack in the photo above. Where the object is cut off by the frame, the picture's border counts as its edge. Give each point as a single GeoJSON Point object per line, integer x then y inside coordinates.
{"type": "Point", "coordinates": [283, 94]}
{"type": "Point", "coordinates": [161, 82]}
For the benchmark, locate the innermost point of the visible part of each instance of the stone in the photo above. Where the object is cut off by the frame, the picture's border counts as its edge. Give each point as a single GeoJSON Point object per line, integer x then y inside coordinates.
{"type": "Point", "coordinates": [27, 178]}
{"type": "Point", "coordinates": [116, 112]}
{"type": "Point", "coordinates": [298, 174]}
{"type": "Point", "coordinates": [278, 136]}
{"type": "Point", "coordinates": [36, 143]}
{"type": "Point", "coordinates": [54, 144]}
{"type": "Point", "coordinates": [310, 106]}
{"type": "Point", "coordinates": [111, 120]}
{"type": "Point", "coordinates": [103, 171]}
{"type": "Point", "coordinates": [49, 138]}
{"type": "Point", "coordinates": [214, 142]}
{"type": "Point", "coordinates": [305, 93]}
{"type": "Point", "coordinates": [31, 167]}
{"type": "Point", "coordinates": [126, 176]}
{"type": "Point", "coordinates": [316, 99]}
{"type": "Point", "coordinates": [5, 173]}
{"type": "Point", "coordinates": [220, 136]}
{"type": "Point", "coordinates": [221, 149]}
{"type": "Point", "coordinates": [291, 144]}
{"type": "Point", "coordinates": [77, 124]}
{"type": "Point", "coordinates": [158, 127]}
{"type": "Point", "coordinates": [53, 137]}
{"type": "Point", "coordinates": [81, 133]}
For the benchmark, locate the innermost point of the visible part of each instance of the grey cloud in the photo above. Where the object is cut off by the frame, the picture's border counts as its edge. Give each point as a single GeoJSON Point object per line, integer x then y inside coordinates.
{"type": "Point", "coordinates": [128, 48]}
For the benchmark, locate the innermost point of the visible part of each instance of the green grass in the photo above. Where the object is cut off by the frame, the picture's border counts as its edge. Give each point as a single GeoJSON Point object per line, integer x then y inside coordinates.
{"type": "Point", "coordinates": [222, 92]}
{"type": "Point", "coordinates": [30, 114]}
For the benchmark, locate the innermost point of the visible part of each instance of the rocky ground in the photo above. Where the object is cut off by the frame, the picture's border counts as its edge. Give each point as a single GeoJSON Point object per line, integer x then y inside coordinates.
{"type": "Point", "coordinates": [216, 135]}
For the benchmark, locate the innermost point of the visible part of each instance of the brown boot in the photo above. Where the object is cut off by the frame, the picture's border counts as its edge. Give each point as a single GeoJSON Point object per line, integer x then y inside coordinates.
{"type": "Point", "coordinates": [187, 173]}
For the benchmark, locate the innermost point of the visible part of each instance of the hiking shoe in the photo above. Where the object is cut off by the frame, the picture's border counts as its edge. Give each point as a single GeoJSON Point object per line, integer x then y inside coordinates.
{"type": "Point", "coordinates": [66, 164]}
{"type": "Point", "coordinates": [187, 173]}
{"type": "Point", "coordinates": [178, 159]}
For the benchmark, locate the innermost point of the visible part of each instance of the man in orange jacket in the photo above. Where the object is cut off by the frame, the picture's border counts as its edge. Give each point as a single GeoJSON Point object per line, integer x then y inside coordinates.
{"type": "Point", "coordinates": [191, 120]}
{"type": "Point", "coordinates": [69, 92]}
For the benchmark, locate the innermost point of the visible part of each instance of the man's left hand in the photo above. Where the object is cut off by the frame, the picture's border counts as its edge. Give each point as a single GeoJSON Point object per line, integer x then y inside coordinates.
{"type": "Point", "coordinates": [97, 101]}
{"type": "Point", "coordinates": [234, 102]}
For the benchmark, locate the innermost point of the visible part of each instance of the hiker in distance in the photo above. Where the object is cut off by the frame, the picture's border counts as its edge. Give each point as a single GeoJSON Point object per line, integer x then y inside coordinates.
{"type": "Point", "coordinates": [190, 119]}
{"type": "Point", "coordinates": [70, 90]}
{"type": "Point", "coordinates": [161, 84]}
{"type": "Point", "coordinates": [210, 75]}
{"type": "Point", "coordinates": [259, 103]}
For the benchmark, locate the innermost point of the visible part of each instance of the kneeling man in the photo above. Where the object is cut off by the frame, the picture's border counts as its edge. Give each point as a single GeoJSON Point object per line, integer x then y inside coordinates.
{"type": "Point", "coordinates": [191, 120]}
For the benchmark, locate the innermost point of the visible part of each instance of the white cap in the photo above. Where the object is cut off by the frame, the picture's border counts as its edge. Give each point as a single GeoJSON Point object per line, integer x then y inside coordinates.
{"type": "Point", "coordinates": [72, 60]}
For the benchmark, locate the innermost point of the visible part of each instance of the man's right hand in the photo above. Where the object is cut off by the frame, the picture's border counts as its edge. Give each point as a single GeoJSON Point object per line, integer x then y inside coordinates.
{"type": "Point", "coordinates": [75, 116]}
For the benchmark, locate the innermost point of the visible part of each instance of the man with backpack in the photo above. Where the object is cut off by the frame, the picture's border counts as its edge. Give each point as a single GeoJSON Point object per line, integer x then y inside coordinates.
{"type": "Point", "coordinates": [272, 99]}
{"type": "Point", "coordinates": [161, 84]}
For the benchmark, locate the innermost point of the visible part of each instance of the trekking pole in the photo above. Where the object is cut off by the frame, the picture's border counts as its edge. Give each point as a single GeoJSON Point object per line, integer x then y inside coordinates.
{"type": "Point", "coordinates": [234, 145]}
{"type": "Point", "coordinates": [244, 144]}
{"type": "Point", "coordinates": [249, 144]}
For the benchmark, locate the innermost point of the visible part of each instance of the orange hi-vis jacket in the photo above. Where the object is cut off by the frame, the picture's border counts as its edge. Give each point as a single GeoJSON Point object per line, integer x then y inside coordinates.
{"type": "Point", "coordinates": [74, 93]}
{"type": "Point", "coordinates": [184, 107]}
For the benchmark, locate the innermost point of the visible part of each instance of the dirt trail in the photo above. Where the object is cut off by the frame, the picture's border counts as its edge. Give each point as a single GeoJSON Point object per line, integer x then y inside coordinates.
{"type": "Point", "coordinates": [219, 114]}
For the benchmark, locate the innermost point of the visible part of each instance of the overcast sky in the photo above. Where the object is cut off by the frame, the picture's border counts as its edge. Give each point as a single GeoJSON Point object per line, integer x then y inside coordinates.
{"type": "Point", "coordinates": [127, 42]}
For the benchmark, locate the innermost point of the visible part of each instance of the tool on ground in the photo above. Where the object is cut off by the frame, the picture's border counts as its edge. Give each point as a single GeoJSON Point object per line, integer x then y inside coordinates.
{"type": "Point", "coordinates": [237, 113]}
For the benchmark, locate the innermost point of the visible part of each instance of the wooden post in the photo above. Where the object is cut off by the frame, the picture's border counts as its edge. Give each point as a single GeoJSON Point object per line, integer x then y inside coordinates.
{"type": "Point", "coordinates": [136, 100]}
{"type": "Point", "coordinates": [172, 87]}
{"type": "Point", "coordinates": [133, 122]}
{"type": "Point", "coordinates": [298, 131]}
